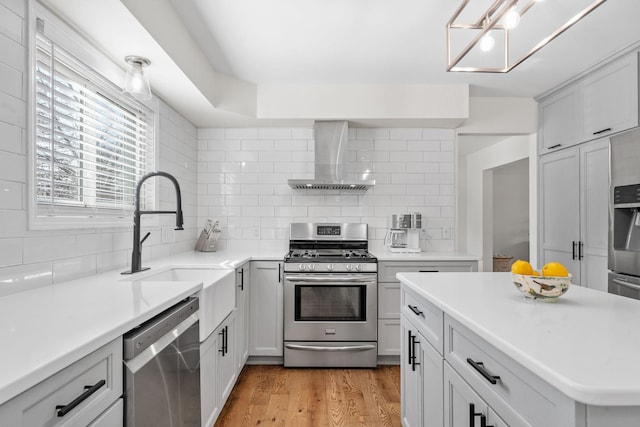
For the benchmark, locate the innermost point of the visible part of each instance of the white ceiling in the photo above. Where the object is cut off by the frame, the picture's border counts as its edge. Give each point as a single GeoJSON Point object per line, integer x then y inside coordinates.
{"type": "Point", "coordinates": [394, 42]}
{"type": "Point", "coordinates": [341, 42]}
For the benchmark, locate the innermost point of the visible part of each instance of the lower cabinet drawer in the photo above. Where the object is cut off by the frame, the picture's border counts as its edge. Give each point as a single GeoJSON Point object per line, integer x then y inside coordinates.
{"type": "Point", "coordinates": [425, 316]}
{"type": "Point", "coordinates": [75, 396]}
{"type": "Point", "coordinates": [516, 394]}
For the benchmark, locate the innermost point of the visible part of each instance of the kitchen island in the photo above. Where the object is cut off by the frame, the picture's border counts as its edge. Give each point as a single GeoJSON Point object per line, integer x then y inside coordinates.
{"type": "Point", "coordinates": [472, 343]}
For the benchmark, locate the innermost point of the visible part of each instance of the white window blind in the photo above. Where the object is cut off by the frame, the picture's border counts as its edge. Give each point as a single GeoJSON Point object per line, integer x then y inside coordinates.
{"type": "Point", "coordinates": [92, 143]}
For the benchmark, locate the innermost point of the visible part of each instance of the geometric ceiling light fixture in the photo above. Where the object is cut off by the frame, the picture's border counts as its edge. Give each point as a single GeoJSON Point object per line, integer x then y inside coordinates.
{"type": "Point", "coordinates": [500, 18]}
{"type": "Point", "coordinates": [135, 82]}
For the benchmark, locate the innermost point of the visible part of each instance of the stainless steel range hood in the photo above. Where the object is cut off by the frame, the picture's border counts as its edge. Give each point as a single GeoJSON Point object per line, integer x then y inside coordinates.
{"type": "Point", "coordinates": [330, 168]}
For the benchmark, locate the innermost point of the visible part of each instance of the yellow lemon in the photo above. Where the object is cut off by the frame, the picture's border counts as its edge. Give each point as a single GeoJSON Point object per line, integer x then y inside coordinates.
{"type": "Point", "coordinates": [554, 269]}
{"type": "Point", "coordinates": [522, 267]}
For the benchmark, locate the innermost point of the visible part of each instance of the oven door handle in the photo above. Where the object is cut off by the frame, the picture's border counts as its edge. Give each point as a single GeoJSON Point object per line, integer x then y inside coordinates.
{"type": "Point", "coordinates": [322, 348]}
{"type": "Point", "coordinates": [323, 279]}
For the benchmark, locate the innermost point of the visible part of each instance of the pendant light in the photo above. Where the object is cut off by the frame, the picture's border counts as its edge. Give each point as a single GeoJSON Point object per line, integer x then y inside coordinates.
{"type": "Point", "coordinates": [135, 82]}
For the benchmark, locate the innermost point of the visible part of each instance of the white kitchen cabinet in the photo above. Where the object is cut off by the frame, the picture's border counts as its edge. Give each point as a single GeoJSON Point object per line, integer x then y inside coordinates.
{"type": "Point", "coordinates": [112, 417]}
{"type": "Point", "coordinates": [218, 372]}
{"type": "Point", "coordinates": [243, 286]}
{"type": "Point", "coordinates": [461, 402]}
{"type": "Point", "coordinates": [610, 98]}
{"type": "Point", "coordinates": [266, 301]}
{"type": "Point", "coordinates": [420, 379]}
{"type": "Point", "coordinates": [77, 395]}
{"type": "Point", "coordinates": [560, 119]}
{"type": "Point", "coordinates": [574, 198]}
{"type": "Point", "coordinates": [389, 297]}
{"type": "Point", "coordinates": [602, 103]}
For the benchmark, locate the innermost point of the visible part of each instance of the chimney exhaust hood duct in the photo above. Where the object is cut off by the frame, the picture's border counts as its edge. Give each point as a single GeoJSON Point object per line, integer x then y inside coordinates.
{"type": "Point", "coordinates": [330, 168]}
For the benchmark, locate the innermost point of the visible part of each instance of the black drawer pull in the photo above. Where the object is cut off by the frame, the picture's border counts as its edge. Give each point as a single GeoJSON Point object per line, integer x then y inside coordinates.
{"type": "Point", "coordinates": [602, 131]}
{"type": "Point", "coordinates": [479, 366]}
{"type": "Point", "coordinates": [473, 414]}
{"type": "Point", "coordinates": [554, 146]}
{"type": "Point", "coordinates": [415, 309]}
{"type": "Point", "coordinates": [89, 390]}
{"type": "Point", "coordinates": [428, 271]}
{"type": "Point", "coordinates": [483, 421]}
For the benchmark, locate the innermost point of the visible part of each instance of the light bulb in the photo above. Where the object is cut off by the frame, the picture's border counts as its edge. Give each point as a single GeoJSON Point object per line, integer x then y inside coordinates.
{"type": "Point", "coordinates": [511, 19]}
{"type": "Point", "coordinates": [487, 42]}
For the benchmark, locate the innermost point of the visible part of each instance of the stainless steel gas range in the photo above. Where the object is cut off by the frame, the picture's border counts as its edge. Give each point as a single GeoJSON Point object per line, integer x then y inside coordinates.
{"type": "Point", "coordinates": [330, 297]}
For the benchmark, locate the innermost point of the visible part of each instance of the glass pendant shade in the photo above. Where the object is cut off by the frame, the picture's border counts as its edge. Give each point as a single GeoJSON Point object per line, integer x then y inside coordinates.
{"type": "Point", "coordinates": [511, 18]}
{"type": "Point", "coordinates": [135, 81]}
{"type": "Point", "coordinates": [487, 42]}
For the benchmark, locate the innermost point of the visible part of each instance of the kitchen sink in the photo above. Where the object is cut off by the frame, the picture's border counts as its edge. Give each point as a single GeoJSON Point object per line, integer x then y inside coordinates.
{"type": "Point", "coordinates": [217, 297]}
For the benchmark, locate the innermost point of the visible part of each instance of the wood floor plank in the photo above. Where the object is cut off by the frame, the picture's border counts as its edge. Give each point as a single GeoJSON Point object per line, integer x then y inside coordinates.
{"type": "Point", "coordinates": [273, 395]}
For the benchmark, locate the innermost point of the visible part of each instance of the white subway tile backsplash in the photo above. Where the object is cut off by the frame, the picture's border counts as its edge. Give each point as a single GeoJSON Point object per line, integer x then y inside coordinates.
{"type": "Point", "coordinates": [241, 133]}
{"type": "Point", "coordinates": [291, 145]}
{"type": "Point", "coordinates": [11, 194]}
{"type": "Point", "coordinates": [11, 24]}
{"type": "Point", "coordinates": [257, 145]}
{"type": "Point", "coordinates": [274, 133]}
{"type": "Point", "coordinates": [73, 268]}
{"type": "Point", "coordinates": [11, 137]}
{"type": "Point", "coordinates": [412, 171]}
{"type": "Point", "coordinates": [38, 249]}
{"type": "Point", "coordinates": [10, 252]}
{"type": "Point", "coordinates": [13, 167]}
{"type": "Point", "coordinates": [211, 133]}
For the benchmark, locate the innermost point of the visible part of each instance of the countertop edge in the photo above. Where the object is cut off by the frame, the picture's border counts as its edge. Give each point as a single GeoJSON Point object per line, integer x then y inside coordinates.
{"type": "Point", "coordinates": [582, 393]}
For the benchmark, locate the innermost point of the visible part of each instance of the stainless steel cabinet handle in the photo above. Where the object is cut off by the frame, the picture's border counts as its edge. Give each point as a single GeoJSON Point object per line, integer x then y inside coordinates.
{"type": "Point", "coordinates": [341, 279]}
{"type": "Point", "coordinates": [627, 284]}
{"type": "Point", "coordinates": [89, 390]}
{"type": "Point", "coordinates": [322, 348]}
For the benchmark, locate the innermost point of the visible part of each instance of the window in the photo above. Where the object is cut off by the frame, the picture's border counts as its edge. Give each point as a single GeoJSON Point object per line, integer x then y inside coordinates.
{"type": "Point", "coordinates": [91, 145]}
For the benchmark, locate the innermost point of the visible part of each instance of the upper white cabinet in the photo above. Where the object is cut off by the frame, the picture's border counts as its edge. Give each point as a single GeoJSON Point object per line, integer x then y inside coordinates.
{"type": "Point", "coordinates": [610, 98]}
{"type": "Point", "coordinates": [561, 120]}
{"type": "Point", "coordinates": [602, 103]}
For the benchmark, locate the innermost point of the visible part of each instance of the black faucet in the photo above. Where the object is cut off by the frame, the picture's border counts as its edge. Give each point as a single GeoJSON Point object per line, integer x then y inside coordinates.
{"type": "Point", "coordinates": [136, 255]}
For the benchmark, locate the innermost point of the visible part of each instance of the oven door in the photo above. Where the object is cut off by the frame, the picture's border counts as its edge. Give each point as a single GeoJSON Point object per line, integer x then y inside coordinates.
{"type": "Point", "coordinates": [330, 307]}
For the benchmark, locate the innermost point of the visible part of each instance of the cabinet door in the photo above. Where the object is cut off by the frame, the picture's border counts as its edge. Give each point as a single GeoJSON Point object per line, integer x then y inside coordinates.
{"type": "Point", "coordinates": [561, 120]}
{"type": "Point", "coordinates": [209, 406]}
{"type": "Point", "coordinates": [226, 363]}
{"type": "Point", "coordinates": [594, 204]}
{"type": "Point", "coordinates": [462, 406]}
{"type": "Point", "coordinates": [611, 98]}
{"type": "Point", "coordinates": [420, 378]}
{"type": "Point", "coordinates": [560, 209]}
{"type": "Point", "coordinates": [389, 337]}
{"type": "Point", "coordinates": [243, 281]}
{"type": "Point", "coordinates": [410, 378]}
{"type": "Point", "coordinates": [266, 302]}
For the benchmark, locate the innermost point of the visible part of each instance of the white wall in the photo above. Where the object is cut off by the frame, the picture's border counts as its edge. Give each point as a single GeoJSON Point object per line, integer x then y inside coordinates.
{"type": "Point", "coordinates": [471, 191]}
{"type": "Point", "coordinates": [243, 172]}
{"type": "Point", "coordinates": [34, 258]}
{"type": "Point", "coordinates": [511, 209]}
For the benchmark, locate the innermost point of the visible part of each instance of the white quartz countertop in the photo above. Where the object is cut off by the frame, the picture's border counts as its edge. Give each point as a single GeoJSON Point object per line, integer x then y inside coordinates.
{"type": "Point", "coordinates": [587, 344]}
{"type": "Point", "coordinates": [383, 254]}
{"type": "Point", "coordinates": [46, 329]}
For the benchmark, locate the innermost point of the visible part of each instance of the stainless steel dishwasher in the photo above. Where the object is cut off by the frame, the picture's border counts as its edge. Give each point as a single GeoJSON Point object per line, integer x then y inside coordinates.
{"type": "Point", "coordinates": [162, 369]}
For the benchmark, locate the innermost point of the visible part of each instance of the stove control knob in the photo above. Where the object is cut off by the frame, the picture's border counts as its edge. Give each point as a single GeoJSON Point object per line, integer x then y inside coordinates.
{"type": "Point", "coordinates": [301, 267]}
{"type": "Point", "coordinates": [349, 267]}
{"type": "Point", "coordinates": [358, 267]}
{"type": "Point", "coordinates": [311, 267]}
{"type": "Point", "coordinates": [331, 267]}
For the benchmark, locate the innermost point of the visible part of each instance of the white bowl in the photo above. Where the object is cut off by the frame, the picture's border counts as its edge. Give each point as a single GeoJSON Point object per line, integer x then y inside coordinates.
{"type": "Point", "coordinates": [547, 288]}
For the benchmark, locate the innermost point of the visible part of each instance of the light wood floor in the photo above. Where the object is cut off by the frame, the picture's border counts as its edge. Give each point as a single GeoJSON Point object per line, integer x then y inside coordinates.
{"type": "Point", "coordinates": [278, 396]}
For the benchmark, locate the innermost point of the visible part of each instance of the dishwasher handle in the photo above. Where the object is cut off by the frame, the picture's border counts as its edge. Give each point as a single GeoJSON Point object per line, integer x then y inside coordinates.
{"type": "Point", "coordinates": [145, 335]}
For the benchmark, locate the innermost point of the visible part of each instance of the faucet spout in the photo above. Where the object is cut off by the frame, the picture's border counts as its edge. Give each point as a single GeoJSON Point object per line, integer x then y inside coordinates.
{"type": "Point", "coordinates": [136, 254]}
